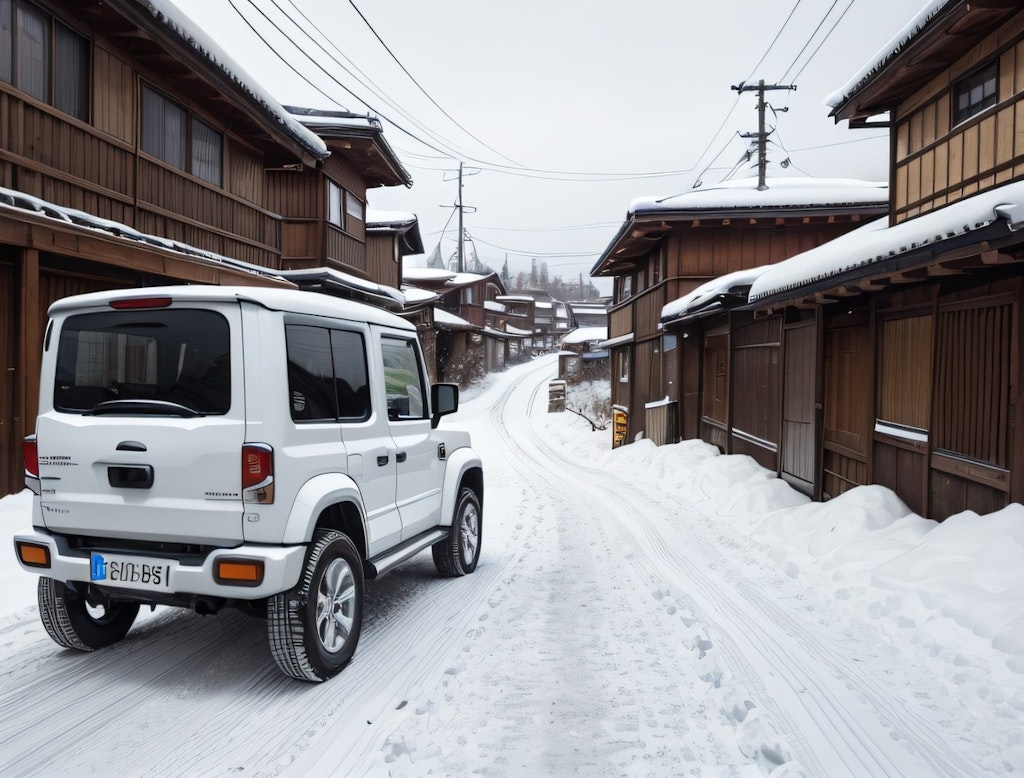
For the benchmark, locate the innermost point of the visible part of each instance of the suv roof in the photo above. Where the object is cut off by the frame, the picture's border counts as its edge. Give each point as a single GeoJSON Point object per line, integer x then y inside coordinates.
{"type": "Point", "coordinates": [296, 300]}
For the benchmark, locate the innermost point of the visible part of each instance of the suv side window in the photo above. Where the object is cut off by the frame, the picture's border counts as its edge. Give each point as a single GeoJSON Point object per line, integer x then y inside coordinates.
{"type": "Point", "coordinates": [350, 378]}
{"type": "Point", "coordinates": [403, 379]}
{"type": "Point", "coordinates": [327, 378]}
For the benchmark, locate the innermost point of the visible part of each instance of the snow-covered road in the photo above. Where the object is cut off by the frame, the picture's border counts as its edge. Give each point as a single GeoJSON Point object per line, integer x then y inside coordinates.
{"type": "Point", "coordinates": [611, 629]}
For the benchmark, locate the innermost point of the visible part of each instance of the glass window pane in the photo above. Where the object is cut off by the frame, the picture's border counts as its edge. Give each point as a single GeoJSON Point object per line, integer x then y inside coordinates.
{"type": "Point", "coordinates": [353, 206]}
{"type": "Point", "coordinates": [180, 356]}
{"type": "Point", "coordinates": [350, 375]}
{"type": "Point", "coordinates": [32, 68]}
{"type": "Point", "coordinates": [207, 152]}
{"type": "Point", "coordinates": [163, 128]}
{"type": "Point", "coordinates": [310, 374]}
{"type": "Point", "coordinates": [6, 40]}
{"type": "Point", "coordinates": [71, 73]}
{"type": "Point", "coordinates": [334, 215]}
{"type": "Point", "coordinates": [402, 380]}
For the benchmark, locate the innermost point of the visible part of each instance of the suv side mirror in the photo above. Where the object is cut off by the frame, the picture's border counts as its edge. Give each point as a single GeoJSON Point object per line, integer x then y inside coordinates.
{"type": "Point", "coordinates": [444, 399]}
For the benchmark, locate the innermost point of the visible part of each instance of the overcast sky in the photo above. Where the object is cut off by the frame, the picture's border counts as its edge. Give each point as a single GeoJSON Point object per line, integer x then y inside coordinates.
{"type": "Point", "coordinates": [558, 108]}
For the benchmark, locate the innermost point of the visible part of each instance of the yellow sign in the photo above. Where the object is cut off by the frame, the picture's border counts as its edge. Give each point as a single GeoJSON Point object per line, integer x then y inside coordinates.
{"type": "Point", "coordinates": [620, 422]}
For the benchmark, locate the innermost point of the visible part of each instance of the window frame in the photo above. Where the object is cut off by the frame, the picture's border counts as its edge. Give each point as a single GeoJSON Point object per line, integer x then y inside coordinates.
{"type": "Point", "coordinates": [61, 74]}
{"type": "Point", "coordinates": [153, 140]}
{"type": "Point", "coordinates": [979, 78]}
{"type": "Point", "coordinates": [395, 414]}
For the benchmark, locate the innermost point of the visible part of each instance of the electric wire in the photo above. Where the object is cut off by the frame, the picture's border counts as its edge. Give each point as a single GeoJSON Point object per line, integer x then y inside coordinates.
{"type": "Point", "coordinates": [424, 91]}
{"type": "Point", "coordinates": [809, 39]}
{"type": "Point", "coordinates": [451, 148]}
{"type": "Point", "coordinates": [823, 40]}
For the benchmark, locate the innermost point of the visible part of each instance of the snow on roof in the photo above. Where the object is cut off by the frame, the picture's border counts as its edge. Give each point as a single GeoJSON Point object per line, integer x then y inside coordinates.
{"type": "Point", "coordinates": [376, 219]}
{"type": "Point", "coordinates": [434, 274]}
{"type": "Point", "coordinates": [24, 202]}
{"type": "Point", "coordinates": [173, 18]}
{"type": "Point", "coordinates": [794, 192]}
{"type": "Point", "coordinates": [443, 317]}
{"type": "Point", "coordinates": [706, 292]}
{"type": "Point", "coordinates": [887, 52]}
{"type": "Point", "coordinates": [876, 241]}
{"type": "Point", "coordinates": [585, 334]}
{"type": "Point", "coordinates": [343, 279]}
{"type": "Point", "coordinates": [415, 296]}
{"type": "Point", "coordinates": [338, 119]}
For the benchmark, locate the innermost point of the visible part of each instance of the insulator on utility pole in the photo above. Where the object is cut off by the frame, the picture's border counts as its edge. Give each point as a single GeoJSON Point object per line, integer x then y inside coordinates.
{"type": "Point", "coordinates": [762, 136]}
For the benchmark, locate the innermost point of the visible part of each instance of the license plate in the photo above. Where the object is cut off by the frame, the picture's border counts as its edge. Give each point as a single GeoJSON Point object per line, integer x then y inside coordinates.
{"type": "Point", "coordinates": [131, 572]}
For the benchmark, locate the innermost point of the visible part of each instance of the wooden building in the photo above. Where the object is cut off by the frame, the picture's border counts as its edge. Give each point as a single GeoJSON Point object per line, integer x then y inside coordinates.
{"type": "Point", "coordinates": [134, 152]}
{"type": "Point", "coordinates": [912, 358]}
{"type": "Point", "coordinates": [465, 339]}
{"type": "Point", "coordinates": [668, 247]}
{"type": "Point", "coordinates": [891, 354]}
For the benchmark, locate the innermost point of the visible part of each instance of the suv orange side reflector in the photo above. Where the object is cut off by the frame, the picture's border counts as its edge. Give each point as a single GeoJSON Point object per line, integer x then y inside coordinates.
{"type": "Point", "coordinates": [33, 555]}
{"type": "Point", "coordinates": [238, 572]}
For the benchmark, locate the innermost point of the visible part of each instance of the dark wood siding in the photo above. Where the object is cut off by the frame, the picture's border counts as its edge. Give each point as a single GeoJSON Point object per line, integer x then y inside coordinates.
{"type": "Point", "coordinates": [11, 432]}
{"type": "Point", "coordinates": [938, 163]}
{"type": "Point", "coordinates": [755, 395]}
{"type": "Point", "coordinates": [690, 378]}
{"type": "Point", "coordinates": [848, 393]}
{"type": "Point", "coordinates": [715, 390]}
{"type": "Point", "coordinates": [800, 403]}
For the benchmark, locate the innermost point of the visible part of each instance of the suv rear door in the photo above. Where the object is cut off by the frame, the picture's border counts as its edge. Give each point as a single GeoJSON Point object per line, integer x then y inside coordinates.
{"type": "Point", "coordinates": [142, 419]}
{"type": "Point", "coordinates": [420, 464]}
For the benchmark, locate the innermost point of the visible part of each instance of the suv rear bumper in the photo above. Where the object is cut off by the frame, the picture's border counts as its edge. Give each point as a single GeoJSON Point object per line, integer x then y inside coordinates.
{"type": "Point", "coordinates": [282, 566]}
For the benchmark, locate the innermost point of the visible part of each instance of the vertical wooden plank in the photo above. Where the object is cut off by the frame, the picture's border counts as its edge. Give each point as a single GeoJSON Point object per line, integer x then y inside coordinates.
{"type": "Point", "coordinates": [987, 144]}
{"type": "Point", "coordinates": [30, 344]}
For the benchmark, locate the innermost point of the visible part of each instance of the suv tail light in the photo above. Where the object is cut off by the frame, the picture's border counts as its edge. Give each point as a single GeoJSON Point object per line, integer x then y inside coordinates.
{"type": "Point", "coordinates": [130, 303]}
{"type": "Point", "coordinates": [257, 473]}
{"type": "Point", "coordinates": [30, 453]}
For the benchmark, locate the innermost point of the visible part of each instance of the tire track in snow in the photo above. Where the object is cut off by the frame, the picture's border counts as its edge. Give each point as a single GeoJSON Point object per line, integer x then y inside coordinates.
{"type": "Point", "coordinates": [837, 701]}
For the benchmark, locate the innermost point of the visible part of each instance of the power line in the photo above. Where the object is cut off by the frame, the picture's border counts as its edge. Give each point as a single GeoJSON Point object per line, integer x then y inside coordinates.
{"type": "Point", "coordinates": [827, 36]}
{"type": "Point", "coordinates": [424, 91]}
{"type": "Point", "coordinates": [809, 39]}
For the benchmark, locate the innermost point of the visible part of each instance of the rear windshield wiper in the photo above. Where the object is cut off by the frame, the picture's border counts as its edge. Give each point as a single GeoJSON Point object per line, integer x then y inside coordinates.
{"type": "Point", "coordinates": [144, 408]}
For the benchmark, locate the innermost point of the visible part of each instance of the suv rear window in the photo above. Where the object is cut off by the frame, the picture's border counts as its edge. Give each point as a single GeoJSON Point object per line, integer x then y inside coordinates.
{"type": "Point", "coordinates": [181, 356]}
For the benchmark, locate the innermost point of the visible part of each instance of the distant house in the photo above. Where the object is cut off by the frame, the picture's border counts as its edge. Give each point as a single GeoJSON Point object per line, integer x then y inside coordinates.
{"type": "Point", "coordinates": [519, 320]}
{"type": "Point", "coordinates": [133, 151]}
{"type": "Point", "coordinates": [582, 356]}
{"type": "Point", "coordinates": [899, 343]}
{"type": "Point", "coordinates": [588, 314]}
{"type": "Point", "coordinates": [465, 346]}
{"type": "Point", "coordinates": [669, 246]}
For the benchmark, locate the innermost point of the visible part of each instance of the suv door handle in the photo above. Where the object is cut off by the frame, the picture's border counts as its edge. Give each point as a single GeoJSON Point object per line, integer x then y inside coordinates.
{"type": "Point", "coordinates": [382, 460]}
{"type": "Point", "coordinates": [400, 456]}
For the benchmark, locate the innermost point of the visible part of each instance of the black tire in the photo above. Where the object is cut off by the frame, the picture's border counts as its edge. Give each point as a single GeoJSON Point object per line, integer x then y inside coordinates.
{"type": "Point", "coordinates": [314, 628]}
{"type": "Point", "coordinates": [459, 553]}
{"type": "Point", "coordinates": [73, 622]}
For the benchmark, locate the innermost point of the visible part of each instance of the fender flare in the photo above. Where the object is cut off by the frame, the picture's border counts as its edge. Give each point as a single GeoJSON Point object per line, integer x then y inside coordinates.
{"type": "Point", "coordinates": [459, 462]}
{"type": "Point", "coordinates": [315, 496]}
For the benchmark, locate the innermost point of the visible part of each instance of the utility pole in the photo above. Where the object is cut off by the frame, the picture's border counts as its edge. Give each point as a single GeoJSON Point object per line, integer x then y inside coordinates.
{"type": "Point", "coordinates": [460, 253]}
{"type": "Point", "coordinates": [762, 136]}
{"type": "Point", "coordinates": [461, 261]}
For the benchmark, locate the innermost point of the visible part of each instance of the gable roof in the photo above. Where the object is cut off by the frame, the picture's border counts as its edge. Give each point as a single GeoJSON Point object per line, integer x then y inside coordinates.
{"type": "Point", "coordinates": [649, 219]}
{"type": "Point", "coordinates": [937, 35]}
{"type": "Point", "coordinates": [875, 253]}
{"type": "Point", "coordinates": [159, 34]}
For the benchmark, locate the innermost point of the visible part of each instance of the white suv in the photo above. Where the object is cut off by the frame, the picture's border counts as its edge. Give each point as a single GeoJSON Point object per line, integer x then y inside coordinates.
{"type": "Point", "coordinates": [264, 449]}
